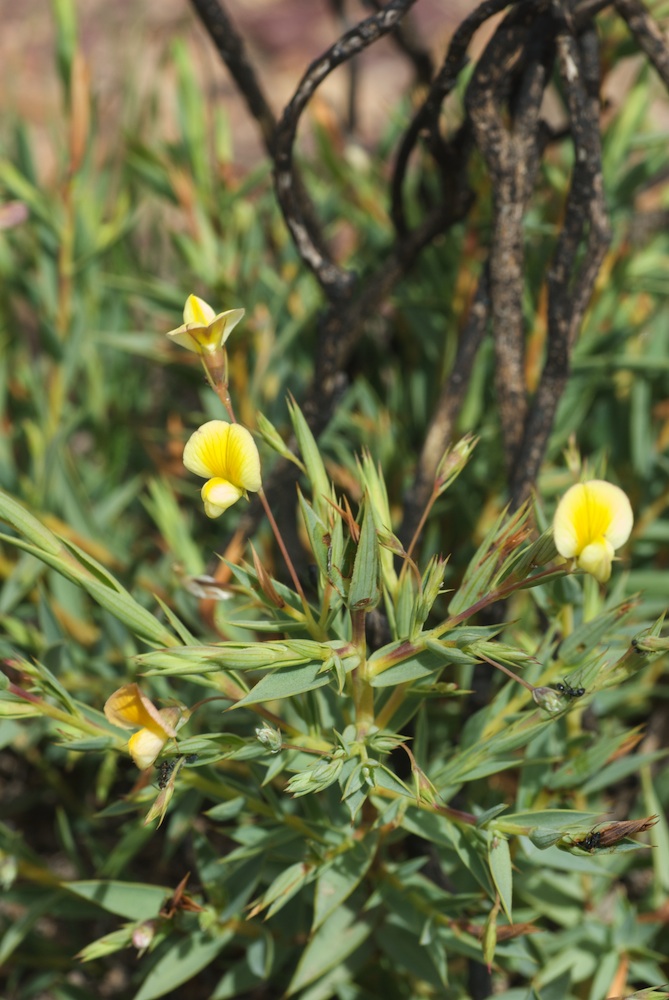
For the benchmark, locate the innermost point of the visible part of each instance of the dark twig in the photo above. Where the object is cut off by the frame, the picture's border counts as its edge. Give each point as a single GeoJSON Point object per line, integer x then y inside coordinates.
{"type": "Point", "coordinates": [647, 34]}
{"type": "Point", "coordinates": [426, 119]}
{"type": "Point", "coordinates": [585, 11]}
{"type": "Point", "coordinates": [572, 275]}
{"type": "Point", "coordinates": [232, 51]}
{"type": "Point", "coordinates": [407, 40]}
{"type": "Point", "coordinates": [341, 328]}
{"type": "Point", "coordinates": [515, 59]}
{"type": "Point", "coordinates": [230, 46]}
{"type": "Point", "coordinates": [336, 282]}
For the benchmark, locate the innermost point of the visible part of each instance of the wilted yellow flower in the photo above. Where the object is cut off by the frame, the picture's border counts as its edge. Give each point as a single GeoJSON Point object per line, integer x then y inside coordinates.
{"type": "Point", "coordinates": [204, 331]}
{"type": "Point", "coordinates": [227, 457]}
{"type": "Point", "coordinates": [130, 709]}
{"type": "Point", "coordinates": [592, 520]}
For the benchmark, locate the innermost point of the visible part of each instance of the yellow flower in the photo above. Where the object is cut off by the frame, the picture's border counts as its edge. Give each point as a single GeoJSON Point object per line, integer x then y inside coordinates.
{"type": "Point", "coordinates": [129, 709]}
{"type": "Point", "coordinates": [204, 331]}
{"type": "Point", "coordinates": [227, 457]}
{"type": "Point", "coordinates": [592, 520]}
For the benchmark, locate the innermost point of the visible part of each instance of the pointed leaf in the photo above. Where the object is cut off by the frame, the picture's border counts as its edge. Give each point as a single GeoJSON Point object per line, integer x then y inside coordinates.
{"type": "Point", "coordinates": [499, 857]}
{"type": "Point", "coordinates": [364, 593]}
{"type": "Point", "coordinates": [336, 883]}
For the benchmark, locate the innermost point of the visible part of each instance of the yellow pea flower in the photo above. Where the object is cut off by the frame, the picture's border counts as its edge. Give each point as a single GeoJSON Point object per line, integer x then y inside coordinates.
{"type": "Point", "coordinates": [592, 520]}
{"type": "Point", "coordinates": [204, 331]}
{"type": "Point", "coordinates": [227, 457]}
{"type": "Point", "coordinates": [130, 709]}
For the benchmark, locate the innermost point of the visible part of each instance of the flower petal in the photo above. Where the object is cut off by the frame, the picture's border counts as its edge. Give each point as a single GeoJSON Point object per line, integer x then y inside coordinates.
{"type": "Point", "coordinates": [223, 325]}
{"type": "Point", "coordinates": [218, 494]}
{"type": "Point", "coordinates": [218, 450]}
{"type": "Point", "coordinates": [145, 746]}
{"type": "Point", "coordinates": [590, 512]}
{"type": "Point", "coordinates": [596, 559]}
{"type": "Point", "coordinates": [618, 510]}
{"type": "Point", "coordinates": [243, 459]}
{"type": "Point", "coordinates": [203, 330]}
{"type": "Point", "coordinates": [129, 708]}
{"type": "Point", "coordinates": [198, 311]}
{"type": "Point", "coordinates": [205, 452]}
{"type": "Point", "coordinates": [592, 520]}
{"type": "Point", "coordinates": [187, 336]}
{"type": "Point", "coordinates": [567, 521]}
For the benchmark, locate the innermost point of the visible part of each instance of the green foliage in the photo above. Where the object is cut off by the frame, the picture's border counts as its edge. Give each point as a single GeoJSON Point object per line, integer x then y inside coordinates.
{"type": "Point", "coordinates": [360, 818]}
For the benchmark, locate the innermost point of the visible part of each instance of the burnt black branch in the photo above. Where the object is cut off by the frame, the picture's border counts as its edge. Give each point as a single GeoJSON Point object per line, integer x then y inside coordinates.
{"type": "Point", "coordinates": [336, 282]}
{"type": "Point", "coordinates": [426, 120]}
{"type": "Point", "coordinates": [581, 247]}
{"type": "Point", "coordinates": [231, 48]}
{"type": "Point", "coordinates": [504, 100]}
{"type": "Point", "coordinates": [409, 43]}
{"type": "Point", "coordinates": [647, 34]}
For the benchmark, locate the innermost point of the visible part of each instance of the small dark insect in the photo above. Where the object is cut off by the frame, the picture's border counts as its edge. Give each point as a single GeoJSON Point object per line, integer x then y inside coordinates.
{"type": "Point", "coordinates": [165, 769]}
{"type": "Point", "coordinates": [568, 691]}
{"type": "Point", "coordinates": [636, 646]}
{"type": "Point", "coordinates": [591, 842]}
{"type": "Point", "coordinates": [613, 833]}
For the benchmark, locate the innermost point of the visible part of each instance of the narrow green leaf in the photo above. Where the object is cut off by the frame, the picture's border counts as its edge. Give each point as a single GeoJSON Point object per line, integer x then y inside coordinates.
{"type": "Point", "coordinates": [417, 665]}
{"type": "Point", "coordinates": [499, 857]}
{"type": "Point", "coordinates": [117, 601]}
{"type": "Point", "coordinates": [336, 883]}
{"type": "Point", "coordinates": [331, 945]}
{"type": "Point", "coordinates": [318, 477]}
{"type": "Point", "coordinates": [132, 900]}
{"type": "Point", "coordinates": [190, 954]}
{"type": "Point", "coordinates": [271, 436]}
{"type": "Point", "coordinates": [318, 534]}
{"type": "Point", "coordinates": [286, 682]}
{"type": "Point", "coordinates": [19, 927]}
{"type": "Point", "coordinates": [283, 888]}
{"type": "Point", "coordinates": [28, 526]}
{"type": "Point", "coordinates": [364, 591]}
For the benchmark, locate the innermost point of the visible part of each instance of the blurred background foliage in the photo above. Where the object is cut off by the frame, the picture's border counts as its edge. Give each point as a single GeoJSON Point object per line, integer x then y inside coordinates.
{"type": "Point", "coordinates": [96, 260]}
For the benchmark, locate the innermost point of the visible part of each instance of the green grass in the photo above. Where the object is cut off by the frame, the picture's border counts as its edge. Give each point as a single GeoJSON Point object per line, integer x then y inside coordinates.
{"type": "Point", "coordinates": [340, 865]}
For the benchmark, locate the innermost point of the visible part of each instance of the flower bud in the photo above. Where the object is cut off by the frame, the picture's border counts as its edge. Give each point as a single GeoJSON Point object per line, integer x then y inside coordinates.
{"type": "Point", "coordinates": [548, 699]}
{"type": "Point", "coordinates": [270, 738]}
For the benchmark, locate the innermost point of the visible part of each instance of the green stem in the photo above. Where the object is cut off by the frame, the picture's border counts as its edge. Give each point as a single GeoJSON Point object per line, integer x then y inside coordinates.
{"type": "Point", "coordinates": [392, 705]}
{"type": "Point", "coordinates": [51, 712]}
{"type": "Point", "coordinates": [496, 595]}
{"type": "Point", "coordinates": [363, 692]}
